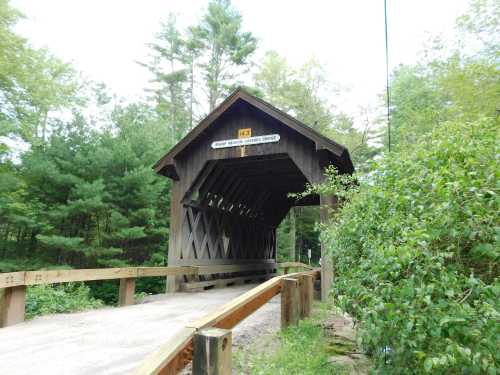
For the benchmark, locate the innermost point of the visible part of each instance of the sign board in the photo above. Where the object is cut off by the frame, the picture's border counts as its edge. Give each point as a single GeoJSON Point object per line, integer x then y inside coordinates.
{"type": "Point", "coordinates": [271, 138]}
{"type": "Point", "coordinates": [245, 133]}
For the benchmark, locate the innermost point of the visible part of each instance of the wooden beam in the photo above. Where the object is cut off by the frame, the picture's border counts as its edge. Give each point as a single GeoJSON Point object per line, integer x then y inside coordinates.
{"type": "Point", "coordinates": [306, 295]}
{"type": "Point", "coordinates": [327, 202]}
{"type": "Point", "coordinates": [11, 279]}
{"type": "Point", "coordinates": [63, 276]}
{"type": "Point", "coordinates": [126, 295]}
{"type": "Point", "coordinates": [219, 283]}
{"type": "Point", "coordinates": [166, 271]}
{"type": "Point", "coordinates": [212, 352]}
{"type": "Point", "coordinates": [209, 270]}
{"type": "Point", "coordinates": [12, 305]}
{"type": "Point", "coordinates": [171, 357]}
{"type": "Point", "coordinates": [295, 265]}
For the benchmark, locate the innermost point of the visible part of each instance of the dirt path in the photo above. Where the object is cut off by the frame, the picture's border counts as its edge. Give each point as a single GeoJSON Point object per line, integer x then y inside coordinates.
{"type": "Point", "coordinates": [116, 340]}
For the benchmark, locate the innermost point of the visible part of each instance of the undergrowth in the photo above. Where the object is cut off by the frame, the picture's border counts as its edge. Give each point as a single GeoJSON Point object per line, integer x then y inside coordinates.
{"type": "Point", "coordinates": [50, 299]}
{"type": "Point", "coordinates": [304, 349]}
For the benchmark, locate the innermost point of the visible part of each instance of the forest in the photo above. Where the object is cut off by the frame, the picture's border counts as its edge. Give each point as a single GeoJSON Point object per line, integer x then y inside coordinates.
{"type": "Point", "coordinates": [83, 194]}
{"type": "Point", "coordinates": [77, 189]}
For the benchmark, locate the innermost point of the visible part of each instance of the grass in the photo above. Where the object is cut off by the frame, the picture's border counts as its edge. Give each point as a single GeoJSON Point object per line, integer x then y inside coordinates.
{"type": "Point", "coordinates": [305, 349]}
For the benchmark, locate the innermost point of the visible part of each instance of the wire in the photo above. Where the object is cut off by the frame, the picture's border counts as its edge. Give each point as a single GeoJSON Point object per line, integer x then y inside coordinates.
{"type": "Point", "coordinates": [387, 77]}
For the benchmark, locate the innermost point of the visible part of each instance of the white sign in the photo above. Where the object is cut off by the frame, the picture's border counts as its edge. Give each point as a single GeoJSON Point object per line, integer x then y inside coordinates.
{"type": "Point", "coordinates": [271, 138]}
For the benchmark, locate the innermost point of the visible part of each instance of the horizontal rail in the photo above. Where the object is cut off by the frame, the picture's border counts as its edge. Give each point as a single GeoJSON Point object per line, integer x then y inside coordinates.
{"type": "Point", "coordinates": [176, 353]}
{"type": "Point", "coordinates": [295, 265]}
{"type": "Point", "coordinates": [8, 280]}
{"type": "Point", "coordinates": [12, 279]}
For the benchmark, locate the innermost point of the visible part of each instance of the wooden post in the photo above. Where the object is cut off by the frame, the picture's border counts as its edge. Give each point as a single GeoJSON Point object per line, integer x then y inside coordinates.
{"type": "Point", "coordinates": [175, 235]}
{"type": "Point", "coordinates": [12, 305]}
{"type": "Point", "coordinates": [306, 294]}
{"type": "Point", "coordinates": [127, 291]}
{"type": "Point", "coordinates": [212, 352]}
{"type": "Point", "coordinates": [326, 259]}
{"type": "Point", "coordinates": [302, 284]}
{"type": "Point", "coordinates": [290, 301]}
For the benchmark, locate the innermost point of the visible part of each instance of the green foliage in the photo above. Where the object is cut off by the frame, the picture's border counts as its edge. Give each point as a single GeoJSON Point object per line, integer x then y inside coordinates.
{"type": "Point", "coordinates": [87, 198]}
{"type": "Point", "coordinates": [50, 299]}
{"type": "Point", "coordinates": [416, 250]}
{"type": "Point", "coordinates": [226, 46]}
{"type": "Point", "coordinates": [32, 82]}
{"type": "Point", "coordinates": [458, 79]}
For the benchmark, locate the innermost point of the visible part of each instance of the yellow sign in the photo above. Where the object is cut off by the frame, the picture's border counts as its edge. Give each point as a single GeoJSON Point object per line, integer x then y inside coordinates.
{"type": "Point", "coordinates": [245, 133]}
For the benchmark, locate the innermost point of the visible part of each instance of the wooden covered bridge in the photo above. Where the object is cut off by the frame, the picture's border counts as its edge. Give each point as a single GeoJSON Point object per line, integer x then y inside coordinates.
{"type": "Point", "coordinates": [232, 175]}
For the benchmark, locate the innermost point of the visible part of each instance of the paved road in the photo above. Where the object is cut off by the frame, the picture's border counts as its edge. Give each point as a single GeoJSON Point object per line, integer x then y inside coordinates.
{"type": "Point", "coordinates": [113, 340]}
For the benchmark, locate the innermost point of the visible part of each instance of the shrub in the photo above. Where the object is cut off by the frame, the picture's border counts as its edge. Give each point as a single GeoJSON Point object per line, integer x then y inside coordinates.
{"type": "Point", "coordinates": [49, 299]}
{"type": "Point", "coordinates": [416, 251]}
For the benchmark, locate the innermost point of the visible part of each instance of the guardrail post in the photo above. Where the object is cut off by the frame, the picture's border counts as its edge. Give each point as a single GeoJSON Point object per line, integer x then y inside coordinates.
{"type": "Point", "coordinates": [212, 352]}
{"type": "Point", "coordinates": [290, 301]}
{"type": "Point", "coordinates": [12, 305]}
{"type": "Point", "coordinates": [306, 295]}
{"type": "Point", "coordinates": [127, 291]}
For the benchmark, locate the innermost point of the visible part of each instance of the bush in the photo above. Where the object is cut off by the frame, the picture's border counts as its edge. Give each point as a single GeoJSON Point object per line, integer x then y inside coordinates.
{"type": "Point", "coordinates": [416, 252]}
{"type": "Point", "coordinates": [49, 299]}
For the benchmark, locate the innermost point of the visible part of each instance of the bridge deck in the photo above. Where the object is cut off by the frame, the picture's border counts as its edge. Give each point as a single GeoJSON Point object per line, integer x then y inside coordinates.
{"type": "Point", "coordinates": [108, 340]}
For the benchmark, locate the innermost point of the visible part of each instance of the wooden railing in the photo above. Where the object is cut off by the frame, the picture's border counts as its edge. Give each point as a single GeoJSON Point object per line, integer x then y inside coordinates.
{"type": "Point", "coordinates": [175, 354]}
{"type": "Point", "coordinates": [13, 285]}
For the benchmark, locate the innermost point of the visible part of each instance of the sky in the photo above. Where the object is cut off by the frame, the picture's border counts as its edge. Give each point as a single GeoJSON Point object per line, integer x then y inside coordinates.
{"type": "Point", "coordinates": [105, 38]}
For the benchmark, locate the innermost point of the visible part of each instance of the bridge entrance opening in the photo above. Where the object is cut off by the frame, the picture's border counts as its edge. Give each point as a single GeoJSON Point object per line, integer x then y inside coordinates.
{"type": "Point", "coordinates": [232, 176]}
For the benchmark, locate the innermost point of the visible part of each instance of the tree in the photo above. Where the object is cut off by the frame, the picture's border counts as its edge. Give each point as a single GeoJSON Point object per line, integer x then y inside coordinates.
{"type": "Point", "coordinates": [33, 83]}
{"type": "Point", "coordinates": [461, 83]}
{"type": "Point", "coordinates": [171, 78]}
{"type": "Point", "coordinates": [226, 48]}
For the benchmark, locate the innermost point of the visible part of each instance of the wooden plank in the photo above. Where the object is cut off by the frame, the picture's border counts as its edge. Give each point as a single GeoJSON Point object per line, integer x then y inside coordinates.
{"type": "Point", "coordinates": [295, 265]}
{"type": "Point", "coordinates": [63, 276]}
{"type": "Point", "coordinates": [171, 357]}
{"type": "Point", "coordinates": [12, 305]}
{"type": "Point", "coordinates": [219, 283]}
{"type": "Point", "coordinates": [11, 279]}
{"type": "Point", "coordinates": [166, 271]}
{"type": "Point", "coordinates": [211, 262]}
{"type": "Point", "coordinates": [212, 352]}
{"type": "Point", "coordinates": [126, 295]}
{"type": "Point", "coordinates": [208, 270]}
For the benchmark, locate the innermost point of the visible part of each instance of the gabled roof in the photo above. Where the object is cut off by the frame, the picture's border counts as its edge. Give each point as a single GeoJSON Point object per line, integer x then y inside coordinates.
{"type": "Point", "coordinates": [322, 143]}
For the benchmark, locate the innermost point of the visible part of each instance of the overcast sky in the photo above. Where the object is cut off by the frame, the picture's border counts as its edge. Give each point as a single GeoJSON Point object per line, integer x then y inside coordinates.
{"type": "Point", "coordinates": [104, 38]}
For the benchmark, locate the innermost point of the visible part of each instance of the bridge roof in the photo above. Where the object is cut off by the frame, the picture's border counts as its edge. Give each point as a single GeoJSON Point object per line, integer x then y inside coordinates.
{"type": "Point", "coordinates": [339, 152]}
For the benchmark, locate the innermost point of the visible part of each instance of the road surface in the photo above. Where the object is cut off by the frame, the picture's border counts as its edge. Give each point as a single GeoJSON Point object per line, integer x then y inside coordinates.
{"type": "Point", "coordinates": [115, 340]}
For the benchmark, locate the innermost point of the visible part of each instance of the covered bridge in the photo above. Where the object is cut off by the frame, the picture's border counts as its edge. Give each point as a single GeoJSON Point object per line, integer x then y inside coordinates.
{"type": "Point", "coordinates": [231, 178]}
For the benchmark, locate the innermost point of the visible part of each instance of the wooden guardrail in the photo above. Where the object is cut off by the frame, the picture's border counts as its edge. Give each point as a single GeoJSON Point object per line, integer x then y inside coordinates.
{"type": "Point", "coordinates": [13, 284]}
{"type": "Point", "coordinates": [175, 354]}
